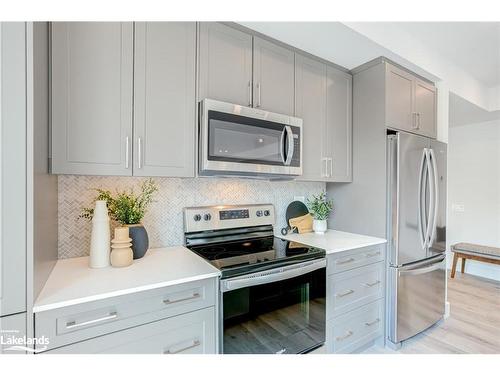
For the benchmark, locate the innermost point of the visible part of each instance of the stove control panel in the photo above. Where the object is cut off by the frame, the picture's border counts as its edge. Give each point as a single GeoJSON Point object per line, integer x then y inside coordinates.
{"type": "Point", "coordinates": [197, 219]}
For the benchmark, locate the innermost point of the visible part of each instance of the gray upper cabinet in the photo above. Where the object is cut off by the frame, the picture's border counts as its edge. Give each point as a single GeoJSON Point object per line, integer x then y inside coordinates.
{"type": "Point", "coordinates": [225, 64]}
{"type": "Point", "coordinates": [273, 77]}
{"type": "Point", "coordinates": [12, 169]}
{"type": "Point", "coordinates": [164, 99]}
{"type": "Point", "coordinates": [338, 140]}
{"type": "Point", "coordinates": [410, 102]}
{"type": "Point", "coordinates": [323, 99]}
{"type": "Point", "coordinates": [92, 83]}
{"type": "Point", "coordinates": [310, 105]}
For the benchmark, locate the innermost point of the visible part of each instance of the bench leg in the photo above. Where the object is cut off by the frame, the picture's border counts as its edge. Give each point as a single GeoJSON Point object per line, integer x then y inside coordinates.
{"type": "Point", "coordinates": [463, 265]}
{"type": "Point", "coordinates": [454, 266]}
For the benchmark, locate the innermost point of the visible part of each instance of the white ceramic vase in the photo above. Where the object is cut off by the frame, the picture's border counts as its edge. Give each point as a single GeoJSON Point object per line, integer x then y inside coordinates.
{"type": "Point", "coordinates": [100, 239]}
{"type": "Point", "coordinates": [319, 226]}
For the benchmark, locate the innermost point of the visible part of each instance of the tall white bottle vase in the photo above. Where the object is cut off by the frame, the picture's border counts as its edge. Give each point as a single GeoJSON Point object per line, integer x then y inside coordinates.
{"type": "Point", "coordinates": [100, 239]}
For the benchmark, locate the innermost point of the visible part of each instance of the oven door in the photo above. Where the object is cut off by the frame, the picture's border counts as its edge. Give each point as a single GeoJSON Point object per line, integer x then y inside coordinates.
{"type": "Point", "coordinates": [247, 141]}
{"type": "Point", "coordinates": [276, 311]}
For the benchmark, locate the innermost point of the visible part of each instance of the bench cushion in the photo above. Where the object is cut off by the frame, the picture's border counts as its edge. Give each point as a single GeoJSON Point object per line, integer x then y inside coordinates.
{"type": "Point", "coordinates": [489, 251]}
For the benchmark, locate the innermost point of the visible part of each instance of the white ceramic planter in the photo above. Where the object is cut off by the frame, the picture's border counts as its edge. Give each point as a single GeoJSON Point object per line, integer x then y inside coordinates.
{"type": "Point", "coordinates": [319, 226]}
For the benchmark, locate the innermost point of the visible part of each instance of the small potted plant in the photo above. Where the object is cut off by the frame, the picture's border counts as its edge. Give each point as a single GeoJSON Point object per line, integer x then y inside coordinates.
{"type": "Point", "coordinates": [320, 208]}
{"type": "Point", "coordinates": [128, 209]}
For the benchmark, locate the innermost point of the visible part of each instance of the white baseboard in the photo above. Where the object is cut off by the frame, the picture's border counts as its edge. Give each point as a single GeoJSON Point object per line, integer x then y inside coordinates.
{"type": "Point", "coordinates": [446, 309]}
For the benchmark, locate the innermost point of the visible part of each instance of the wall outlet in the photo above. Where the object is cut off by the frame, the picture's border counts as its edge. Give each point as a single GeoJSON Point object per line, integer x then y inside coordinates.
{"type": "Point", "coordinates": [299, 198]}
{"type": "Point", "coordinates": [455, 207]}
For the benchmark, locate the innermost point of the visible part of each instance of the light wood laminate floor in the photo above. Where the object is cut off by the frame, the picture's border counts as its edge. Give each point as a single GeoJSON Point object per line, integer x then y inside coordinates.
{"type": "Point", "coordinates": [472, 327]}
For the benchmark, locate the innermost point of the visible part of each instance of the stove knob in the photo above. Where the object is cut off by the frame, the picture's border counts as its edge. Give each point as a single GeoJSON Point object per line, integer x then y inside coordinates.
{"type": "Point", "coordinates": [267, 213]}
{"type": "Point", "coordinates": [207, 217]}
{"type": "Point", "coordinates": [259, 213]}
{"type": "Point", "coordinates": [197, 217]}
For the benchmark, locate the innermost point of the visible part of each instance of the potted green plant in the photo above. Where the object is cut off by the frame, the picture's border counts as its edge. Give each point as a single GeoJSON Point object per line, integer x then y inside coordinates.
{"type": "Point", "coordinates": [128, 209]}
{"type": "Point", "coordinates": [320, 208]}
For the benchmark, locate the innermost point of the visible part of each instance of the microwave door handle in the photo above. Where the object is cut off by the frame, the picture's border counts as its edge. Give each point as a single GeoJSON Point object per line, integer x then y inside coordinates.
{"type": "Point", "coordinates": [282, 146]}
{"type": "Point", "coordinates": [289, 153]}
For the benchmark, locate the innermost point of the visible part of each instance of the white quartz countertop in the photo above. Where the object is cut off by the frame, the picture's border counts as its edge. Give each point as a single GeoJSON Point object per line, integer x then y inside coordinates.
{"type": "Point", "coordinates": [334, 241]}
{"type": "Point", "coordinates": [72, 281]}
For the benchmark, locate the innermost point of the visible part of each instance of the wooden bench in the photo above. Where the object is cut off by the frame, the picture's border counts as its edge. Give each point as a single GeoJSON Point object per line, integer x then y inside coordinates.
{"type": "Point", "coordinates": [471, 251]}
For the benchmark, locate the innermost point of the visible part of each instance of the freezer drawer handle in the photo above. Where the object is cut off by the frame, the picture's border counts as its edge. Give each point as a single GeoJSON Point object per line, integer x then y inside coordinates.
{"type": "Point", "coordinates": [73, 324]}
{"type": "Point", "coordinates": [345, 261]}
{"type": "Point", "coordinates": [169, 301]}
{"type": "Point", "coordinates": [374, 254]}
{"type": "Point", "coordinates": [193, 344]}
{"type": "Point", "coordinates": [341, 338]}
{"type": "Point", "coordinates": [369, 285]}
{"type": "Point", "coordinates": [369, 324]}
{"type": "Point", "coordinates": [420, 271]}
{"type": "Point", "coordinates": [346, 293]}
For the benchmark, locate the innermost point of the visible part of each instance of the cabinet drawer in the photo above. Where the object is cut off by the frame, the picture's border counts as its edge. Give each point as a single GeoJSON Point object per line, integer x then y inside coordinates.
{"type": "Point", "coordinates": [351, 289]}
{"type": "Point", "coordinates": [351, 331]}
{"type": "Point", "coordinates": [191, 333]}
{"type": "Point", "coordinates": [344, 261]}
{"type": "Point", "coordinates": [87, 320]}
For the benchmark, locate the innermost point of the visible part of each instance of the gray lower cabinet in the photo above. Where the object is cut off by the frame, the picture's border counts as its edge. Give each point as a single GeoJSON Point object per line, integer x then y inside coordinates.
{"type": "Point", "coordinates": [12, 168]}
{"type": "Point", "coordinates": [323, 99]}
{"type": "Point", "coordinates": [273, 77]}
{"type": "Point", "coordinates": [191, 333]}
{"type": "Point", "coordinates": [92, 64]}
{"type": "Point", "coordinates": [12, 329]}
{"type": "Point", "coordinates": [410, 102]}
{"type": "Point", "coordinates": [164, 99]}
{"type": "Point", "coordinates": [355, 302]}
{"type": "Point", "coordinates": [225, 64]}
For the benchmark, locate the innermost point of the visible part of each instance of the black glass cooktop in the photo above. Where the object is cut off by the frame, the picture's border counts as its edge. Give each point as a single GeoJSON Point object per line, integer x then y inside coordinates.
{"type": "Point", "coordinates": [258, 254]}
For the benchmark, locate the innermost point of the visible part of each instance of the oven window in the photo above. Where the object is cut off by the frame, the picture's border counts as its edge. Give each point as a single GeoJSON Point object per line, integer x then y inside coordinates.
{"type": "Point", "coordinates": [242, 139]}
{"type": "Point", "coordinates": [282, 317]}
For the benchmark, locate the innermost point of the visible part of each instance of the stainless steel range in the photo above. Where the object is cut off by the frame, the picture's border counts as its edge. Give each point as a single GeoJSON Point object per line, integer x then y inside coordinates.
{"type": "Point", "coordinates": [272, 291]}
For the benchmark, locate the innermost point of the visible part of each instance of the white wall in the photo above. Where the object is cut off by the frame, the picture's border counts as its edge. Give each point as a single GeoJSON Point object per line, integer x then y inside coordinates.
{"type": "Point", "coordinates": [474, 182]}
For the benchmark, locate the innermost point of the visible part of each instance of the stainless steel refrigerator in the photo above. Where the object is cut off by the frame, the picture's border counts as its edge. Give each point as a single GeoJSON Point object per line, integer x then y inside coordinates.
{"type": "Point", "coordinates": [417, 234]}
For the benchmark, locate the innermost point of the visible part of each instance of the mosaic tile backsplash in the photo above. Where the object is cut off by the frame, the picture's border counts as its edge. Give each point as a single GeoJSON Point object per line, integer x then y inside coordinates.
{"type": "Point", "coordinates": [164, 221]}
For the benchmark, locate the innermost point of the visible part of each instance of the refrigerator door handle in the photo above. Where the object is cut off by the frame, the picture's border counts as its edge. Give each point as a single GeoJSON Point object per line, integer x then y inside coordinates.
{"type": "Point", "coordinates": [421, 217]}
{"type": "Point", "coordinates": [436, 195]}
{"type": "Point", "coordinates": [432, 203]}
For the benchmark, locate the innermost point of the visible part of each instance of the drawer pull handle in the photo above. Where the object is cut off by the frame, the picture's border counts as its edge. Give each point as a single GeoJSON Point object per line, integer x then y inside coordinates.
{"type": "Point", "coordinates": [371, 255]}
{"type": "Point", "coordinates": [194, 344]}
{"type": "Point", "coordinates": [346, 261]}
{"type": "Point", "coordinates": [169, 302]}
{"type": "Point", "coordinates": [346, 293]}
{"type": "Point", "coordinates": [369, 285]}
{"type": "Point", "coordinates": [73, 324]}
{"type": "Point", "coordinates": [348, 334]}
{"type": "Point", "coordinates": [369, 324]}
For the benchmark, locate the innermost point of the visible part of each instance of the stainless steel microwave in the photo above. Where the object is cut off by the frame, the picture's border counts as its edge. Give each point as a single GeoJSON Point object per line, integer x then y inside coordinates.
{"type": "Point", "coordinates": [242, 141]}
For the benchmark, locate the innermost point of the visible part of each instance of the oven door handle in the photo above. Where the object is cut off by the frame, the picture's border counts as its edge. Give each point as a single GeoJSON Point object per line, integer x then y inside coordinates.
{"type": "Point", "coordinates": [273, 275]}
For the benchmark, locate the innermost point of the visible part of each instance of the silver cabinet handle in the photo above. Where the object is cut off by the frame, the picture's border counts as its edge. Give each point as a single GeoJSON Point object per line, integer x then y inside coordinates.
{"type": "Point", "coordinates": [258, 96]}
{"type": "Point", "coordinates": [331, 167]}
{"type": "Point", "coordinates": [369, 324]}
{"type": "Point", "coordinates": [374, 254]}
{"type": "Point", "coordinates": [169, 301]}
{"type": "Point", "coordinates": [73, 324]}
{"type": "Point", "coordinates": [414, 120]}
{"type": "Point", "coordinates": [369, 285]}
{"type": "Point", "coordinates": [418, 120]}
{"type": "Point", "coordinates": [346, 293]}
{"type": "Point", "coordinates": [345, 261]}
{"type": "Point", "coordinates": [139, 152]}
{"type": "Point", "coordinates": [348, 334]}
{"type": "Point", "coordinates": [127, 147]}
{"type": "Point", "coordinates": [249, 93]}
{"type": "Point", "coordinates": [192, 344]}
{"type": "Point", "coordinates": [324, 172]}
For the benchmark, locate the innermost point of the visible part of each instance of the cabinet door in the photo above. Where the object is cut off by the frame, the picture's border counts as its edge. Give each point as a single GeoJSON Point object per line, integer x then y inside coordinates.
{"type": "Point", "coordinates": [12, 327]}
{"type": "Point", "coordinates": [338, 139]}
{"type": "Point", "coordinates": [12, 168]}
{"type": "Point", "coordinates": [399, 99]}
{"type": "Point", "coordinates": [225, 64]}
{"type": "Point", "coordinates": [273, 76]}
{"type": "Point", "coordinates": [92, 97]}
{"type": "Point", "coordinates": [310, 105]}
{"type": "Point", "coordinates": [425, 108]}
{"type": "Point", "coordinates": [164, 99]}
